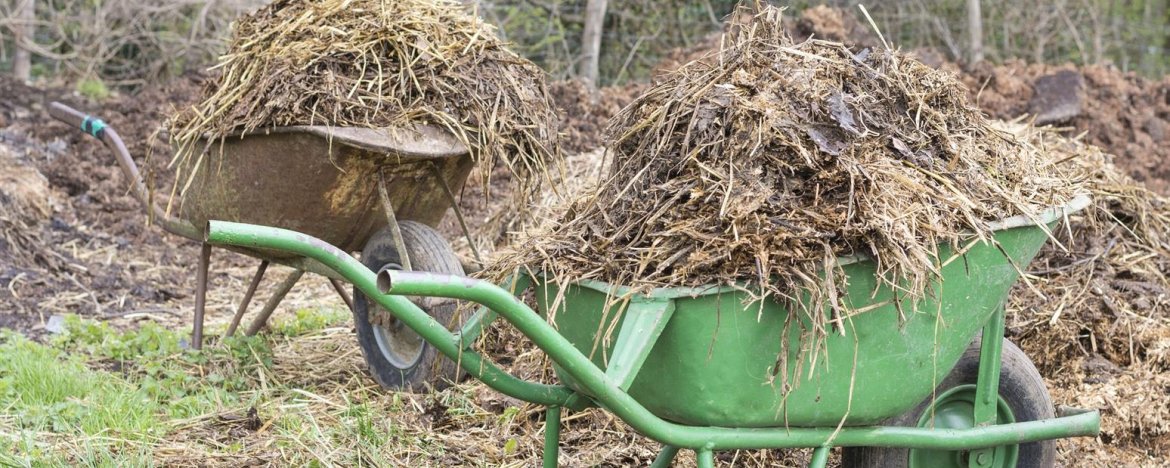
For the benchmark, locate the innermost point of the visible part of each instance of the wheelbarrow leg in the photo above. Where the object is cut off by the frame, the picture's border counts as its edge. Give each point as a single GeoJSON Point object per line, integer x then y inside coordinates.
{"type": "Point", "coordinates": [820, 457]}
{"type": "Point", "coordinates": [392, 223]}
{"type": "Point", "coordinates": [987, 384]}
{"type": "Point", "coordinates": [665, 457]}
{"type": "Point", "coordinates": [200, 296]}
{"type": "Point", "coordinates": [273, 301]}
{"type": "Point", "coordinates": [337, 286]}
{"type": "Point", "coordinates": [231, 329]}
{"type": "Point", "coordinates": [458, 212]}
{"type": "Point", "coordinates": [706, 458]}
{"type": "Point", "coordinates": [552, 436]}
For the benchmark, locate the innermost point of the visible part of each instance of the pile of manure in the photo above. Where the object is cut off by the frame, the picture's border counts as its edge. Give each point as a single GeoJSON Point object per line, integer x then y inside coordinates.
{"type": "Point", "coordinates": [1098, 319]}
{"type": "Point", "coordinates": [761, 166]}
{"type": "Point", "coordinates": [376, 64]}
{"type": "Point", "coordinates": [1111, 284]}
{"type": "Point", "coordinates": [26, 202]}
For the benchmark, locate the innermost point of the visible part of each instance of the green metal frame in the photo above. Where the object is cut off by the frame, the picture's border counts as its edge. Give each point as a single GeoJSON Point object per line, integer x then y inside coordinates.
{"type": "Point", "coordinates": [607, 388]}
{"type": "Point", "coordinates": [987, 384]}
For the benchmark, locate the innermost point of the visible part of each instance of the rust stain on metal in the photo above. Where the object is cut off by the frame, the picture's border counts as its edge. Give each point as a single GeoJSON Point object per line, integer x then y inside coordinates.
{"type": "Point", "coordinates": [305, 183]}
{"type": "Point", "coordinates": [354, 185]}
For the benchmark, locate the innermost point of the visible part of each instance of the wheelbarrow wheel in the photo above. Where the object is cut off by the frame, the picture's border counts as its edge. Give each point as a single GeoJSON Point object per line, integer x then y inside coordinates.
{"type": "Point", "coordinates": [1023, 397]}
{"type": "Point", "coordinates": [398, 358]}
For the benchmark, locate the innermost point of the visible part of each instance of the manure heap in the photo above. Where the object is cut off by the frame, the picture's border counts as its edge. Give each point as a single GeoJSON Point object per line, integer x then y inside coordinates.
{"type": "Point", "coordinates": [763, 165]}
{"type": "Point", "coordinates": [372, 63]}
{"type": "Point", "coordinates": [1100, 325]}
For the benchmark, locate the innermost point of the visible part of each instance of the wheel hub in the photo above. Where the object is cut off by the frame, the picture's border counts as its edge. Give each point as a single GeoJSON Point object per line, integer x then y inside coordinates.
{"type": "Point", "coordinates": [400, 345]}
{"type": "Point", "coordinates": [955, 409]}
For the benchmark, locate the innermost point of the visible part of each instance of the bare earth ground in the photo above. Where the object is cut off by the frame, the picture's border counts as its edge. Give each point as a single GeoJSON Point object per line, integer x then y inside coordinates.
{"type": "Point", "coordinates": [94, 256]}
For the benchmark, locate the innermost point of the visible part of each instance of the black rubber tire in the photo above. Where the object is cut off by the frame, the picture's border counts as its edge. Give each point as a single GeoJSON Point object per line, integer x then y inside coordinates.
{"type": "Point", "coordinates": [1020, 386]}
{"type": "Point", "coordinates": [428, 251]}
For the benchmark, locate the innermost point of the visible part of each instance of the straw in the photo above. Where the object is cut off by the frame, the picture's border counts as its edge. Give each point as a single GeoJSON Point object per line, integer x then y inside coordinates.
{"type": "Point", "coordinates": [374, 63]}
{"type": "Point", "coordinates": [759, 168]}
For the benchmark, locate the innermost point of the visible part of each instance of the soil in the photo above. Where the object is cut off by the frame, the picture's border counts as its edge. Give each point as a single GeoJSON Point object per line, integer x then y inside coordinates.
{"type": "Point", "coordinates": [1127, 115]}
{"type": "Point", "coordinates": [833, 24]}
{"type": "Point", "coordinates": [92, 253]}
{"type": "Point", "coordinates": [583, 113]}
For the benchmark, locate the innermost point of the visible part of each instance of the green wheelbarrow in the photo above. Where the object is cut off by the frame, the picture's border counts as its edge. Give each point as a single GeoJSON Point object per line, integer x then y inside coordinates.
{"type": "Point", "coordinates": [693, 368]}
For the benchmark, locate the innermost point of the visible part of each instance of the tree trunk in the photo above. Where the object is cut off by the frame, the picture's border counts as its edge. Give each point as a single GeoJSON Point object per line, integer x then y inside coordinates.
{"type": "Point", "coordinates": [591, 41]}
{"type": "Point", "coordinates": [22, 30]}
{"type": "Point", "coordinates": [1094, 10]}
{"type": "Point", "coordinates": [1151, 37]}
{"type": "Point", "coordinates": [975, 30]}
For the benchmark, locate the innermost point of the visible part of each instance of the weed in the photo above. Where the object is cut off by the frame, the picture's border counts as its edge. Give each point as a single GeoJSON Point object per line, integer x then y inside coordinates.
{"type": "Point", "coordinates": [93, 88]}
{"type": "Point", "coordinates": [305, 320]}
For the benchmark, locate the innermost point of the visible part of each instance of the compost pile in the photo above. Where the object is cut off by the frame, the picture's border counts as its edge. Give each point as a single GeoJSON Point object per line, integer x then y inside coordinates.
{"type": "Point", "coordinates": [373, 63]}
{"type": "Point", "coordinates": [1117, 259]}
{"type": "Point", "coordinates": [1126, 114]}
{"type": "Point", "coordinates": [25, 204]}
{"type": "Point", "coordinates": [764, 167]}
{"type": "Point", "coordinates": [1100, 325]}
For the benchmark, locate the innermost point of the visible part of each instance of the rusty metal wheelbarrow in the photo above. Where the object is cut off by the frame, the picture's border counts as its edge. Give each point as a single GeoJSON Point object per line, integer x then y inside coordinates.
{"type": "Point", "coordinates": [378, 191]}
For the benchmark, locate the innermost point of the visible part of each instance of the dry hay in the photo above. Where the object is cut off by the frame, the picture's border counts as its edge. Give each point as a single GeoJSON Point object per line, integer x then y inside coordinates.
{"type": "Point", "coordinates": [764, 168]}
{"type": "Point", "coordinates": [315, 403]}
{"type": "Point", "coordinates": [1102, 327]}
{"type": "Point", "coordinates": [25, 203]}
{"type": "Point", "coordinates": [376, 63]}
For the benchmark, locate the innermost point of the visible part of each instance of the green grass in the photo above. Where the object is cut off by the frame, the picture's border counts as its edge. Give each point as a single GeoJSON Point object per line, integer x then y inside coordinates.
{"type": "Point", "coordinates": [110, 392]}
{"type": "Point", "coordinates": [305, 321]}
{"type": "Point", "coordinates": [95, 396]}
{"type": "Point", "coordinates": [98, 396]}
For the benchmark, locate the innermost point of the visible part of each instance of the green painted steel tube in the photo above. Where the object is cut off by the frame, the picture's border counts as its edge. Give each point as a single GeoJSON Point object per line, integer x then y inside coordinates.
{"type": "Point", "coordinates": [552, 437]}
{"type": "Point", "coordinates": [620, 403]}
{"type": "Point", "coordinates": [665, 457]}
{"type": "Point", "coordinates": [820, 457]}
{"type": "Point", "coordinates": [705, 458]}
{"type": "Point", "coordinates": [987, 385]}
{"type": "Point", "coordinates": [594, 380]}
{"type": "Point", "coordinates": [484, 317]}
{"type": "Point", "coordinates": [247, 235]}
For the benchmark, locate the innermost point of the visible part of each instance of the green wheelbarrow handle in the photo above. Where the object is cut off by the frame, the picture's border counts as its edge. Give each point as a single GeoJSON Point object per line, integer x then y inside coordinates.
{"type": "Point", "coordinates": [594, 380]}
{"type": "Point", "coordinates": [451, 345]}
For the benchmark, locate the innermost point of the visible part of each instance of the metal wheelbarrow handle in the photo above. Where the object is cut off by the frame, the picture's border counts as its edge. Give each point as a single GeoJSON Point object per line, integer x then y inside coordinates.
{"type": "Point", "coordinates": [96, 128]}
{"type": "Point", "coordinates": [597, 384]}
{"type": "Point", "coordinates": [455, 346]}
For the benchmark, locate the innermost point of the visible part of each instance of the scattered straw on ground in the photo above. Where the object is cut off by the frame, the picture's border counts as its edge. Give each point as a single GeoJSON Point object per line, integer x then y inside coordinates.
{"type": "Point", "coordinates": [1101, 330]}
{"type": "Point", "coordinates": [372, 63]}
